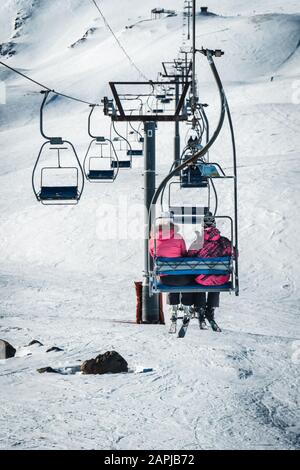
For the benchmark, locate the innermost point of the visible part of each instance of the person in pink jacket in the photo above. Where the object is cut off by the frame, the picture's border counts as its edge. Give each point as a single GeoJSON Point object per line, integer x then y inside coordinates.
{"type": "Point", "coordinates": [168, 243]}
{"type": "Point", "coordinates": [214, 246]}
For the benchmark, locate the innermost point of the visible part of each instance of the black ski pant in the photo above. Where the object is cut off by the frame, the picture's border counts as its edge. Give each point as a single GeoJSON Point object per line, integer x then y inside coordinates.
{"type": "Point", "coordinates": [202, 299]}
{"type": "Point", "coordinates": [174, 298]}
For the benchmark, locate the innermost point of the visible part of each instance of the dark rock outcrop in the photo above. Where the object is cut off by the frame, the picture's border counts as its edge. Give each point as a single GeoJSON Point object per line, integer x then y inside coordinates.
{"type": "Point", "coordinates": [88, 33]}
{"type": "Point", "coordinates": [54, 349]}
{"type": "Point", "coordinates": [109, 363]}
{"type": "Point", "coordinates": [7, 351]}
{"type": "Point", "coordinates": [35, 341]}
{"type": "Point", "coordinates": [8, 49]}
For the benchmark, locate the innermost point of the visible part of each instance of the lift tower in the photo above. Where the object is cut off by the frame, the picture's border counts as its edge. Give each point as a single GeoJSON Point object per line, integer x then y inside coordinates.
{"type": "Point", "coordinates": [150, 118]}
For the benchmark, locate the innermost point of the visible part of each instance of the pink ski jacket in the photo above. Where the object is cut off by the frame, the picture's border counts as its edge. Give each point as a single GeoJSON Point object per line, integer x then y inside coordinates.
{"type": "Point", "coordinates": [167, 245]}
{"type": "Point", "coordinates": [214, 246]}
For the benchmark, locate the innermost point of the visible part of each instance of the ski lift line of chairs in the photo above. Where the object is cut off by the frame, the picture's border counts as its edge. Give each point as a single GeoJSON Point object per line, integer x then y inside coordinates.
{"type": "Point", "coordinates": [193, 266]}
{"type": "Point", "coordinates": [53, 181]}
{"type": "Point", "coordinates": [100, 156]}
{"type": "Point", "coordinates": [198, 174]}
{"type": "Point", "coordinates": [227, 265]}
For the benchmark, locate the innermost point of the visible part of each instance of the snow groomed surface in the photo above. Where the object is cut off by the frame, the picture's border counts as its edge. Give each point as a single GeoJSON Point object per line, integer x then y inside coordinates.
{"type": "Point", "coordinates": [67, 273]}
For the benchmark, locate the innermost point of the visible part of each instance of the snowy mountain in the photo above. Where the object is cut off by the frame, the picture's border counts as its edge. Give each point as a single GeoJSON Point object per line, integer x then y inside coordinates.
{"type": "Point", "coordinates": [63, 282]}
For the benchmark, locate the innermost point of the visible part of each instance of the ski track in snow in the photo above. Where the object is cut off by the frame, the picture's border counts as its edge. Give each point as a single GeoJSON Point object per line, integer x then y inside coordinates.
{"type": "Point", "coordinates": [62, 285]}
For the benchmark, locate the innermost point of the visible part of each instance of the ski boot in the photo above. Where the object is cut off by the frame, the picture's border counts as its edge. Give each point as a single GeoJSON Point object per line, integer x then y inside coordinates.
{"type": "Point", "coordinates": [185, 322]}
{"type": "Point", "coordinates": [201, 318]}
{"type": "Point", "coordinates": [174, 314]}
{"type": "Point", "coordinates": [210, 315]}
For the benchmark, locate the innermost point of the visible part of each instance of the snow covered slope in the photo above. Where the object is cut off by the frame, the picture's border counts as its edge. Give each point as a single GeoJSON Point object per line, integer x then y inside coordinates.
{"type": "Point", "coordinates": [63, 282]}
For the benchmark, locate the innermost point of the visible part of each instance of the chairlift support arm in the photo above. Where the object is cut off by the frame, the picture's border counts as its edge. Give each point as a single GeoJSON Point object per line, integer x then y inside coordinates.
{"type": "Point", "coordinates": [53, 140]}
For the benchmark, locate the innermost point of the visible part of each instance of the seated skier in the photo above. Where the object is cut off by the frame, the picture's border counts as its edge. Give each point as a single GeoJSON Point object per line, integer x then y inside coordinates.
{"type": "Point", "coordinates": [214, 246]}
{"type": "Point", "coordinates": [170, 244]}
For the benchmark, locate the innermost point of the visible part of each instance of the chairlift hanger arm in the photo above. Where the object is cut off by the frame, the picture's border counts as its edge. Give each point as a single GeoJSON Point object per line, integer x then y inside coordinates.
{"type": "Point", "coordinates": [121, 137]}
{"type": "Point", "coordinates": [205, 119]}
{"type": "Point", "coordinates": [54, 140]}
{"type": "Point", "coordinates": [89, 122]}
{"type": "Point", "coordinates": [134, 129]}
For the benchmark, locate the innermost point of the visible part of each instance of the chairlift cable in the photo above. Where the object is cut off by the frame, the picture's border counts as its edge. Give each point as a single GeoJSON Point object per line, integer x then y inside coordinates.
{"type": "Point", "coordinates": [46, 87]}
{"type": "Point", "coordinates": [119, 43]}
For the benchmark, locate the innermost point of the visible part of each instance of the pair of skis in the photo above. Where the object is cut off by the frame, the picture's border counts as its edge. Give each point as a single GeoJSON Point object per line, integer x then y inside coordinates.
{"type": "Point", "coordinates": [185, 324]}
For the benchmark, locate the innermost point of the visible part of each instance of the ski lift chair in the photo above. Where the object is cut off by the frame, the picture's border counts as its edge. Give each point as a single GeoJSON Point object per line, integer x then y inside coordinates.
{"type": "Point", "coordinates": [191, 266]}
{"type": "Point", "coordinates": [135, 140]}
{"type": "Point", "coordinates": [59, 184]}
{"type": "Point", "coordinates": [123, 150]}
{"type": "Point", "coordinates": [166, 100]}
{"type": "Point", "coordinates": [99, 158]}
{"type": "Point", "coordinates": [57, 177]}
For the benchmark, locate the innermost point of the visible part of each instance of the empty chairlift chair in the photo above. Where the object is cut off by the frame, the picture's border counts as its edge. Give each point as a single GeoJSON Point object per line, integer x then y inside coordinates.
{"type": "Point", "coordinates": [101, 161]}
{"type": "Point", "coordinates": [57, 177]}
{"type": "Point", "coordinates": [136, 141]}
{"type": "Point", "coordinates": [123, 149]}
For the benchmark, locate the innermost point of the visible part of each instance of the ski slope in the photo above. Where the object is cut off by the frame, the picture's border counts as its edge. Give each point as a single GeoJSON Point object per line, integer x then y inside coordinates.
{"type": "Point", "coordinates": [66, 283]}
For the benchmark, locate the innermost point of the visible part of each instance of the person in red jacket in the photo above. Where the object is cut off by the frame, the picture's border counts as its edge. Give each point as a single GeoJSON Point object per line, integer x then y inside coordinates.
{"type": "Point", "coordinates": [214, 246]}
{"type": "Point", "coordinates": [168, 243]}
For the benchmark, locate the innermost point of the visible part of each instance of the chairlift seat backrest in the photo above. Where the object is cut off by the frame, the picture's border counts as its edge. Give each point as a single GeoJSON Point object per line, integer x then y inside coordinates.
{"type": "Point", "coordinates": [100, 169]}
{"type": "Point", "coordinates": [59, 184]}
{"type": "Point", "coordinates": [59, 177]}
{"type": "Point", "coordinates": [134, 153]}
{"type": "Point", "coordinates": [121, 164]}
{"type": "Point", "coordinates": [58, 193]}
{"type": "Point", "coordinates": [188, 215]}
{"type": "Point", "coordinates": [193, 267]}
{"type": "Point", "coordinates": [101, 174]}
